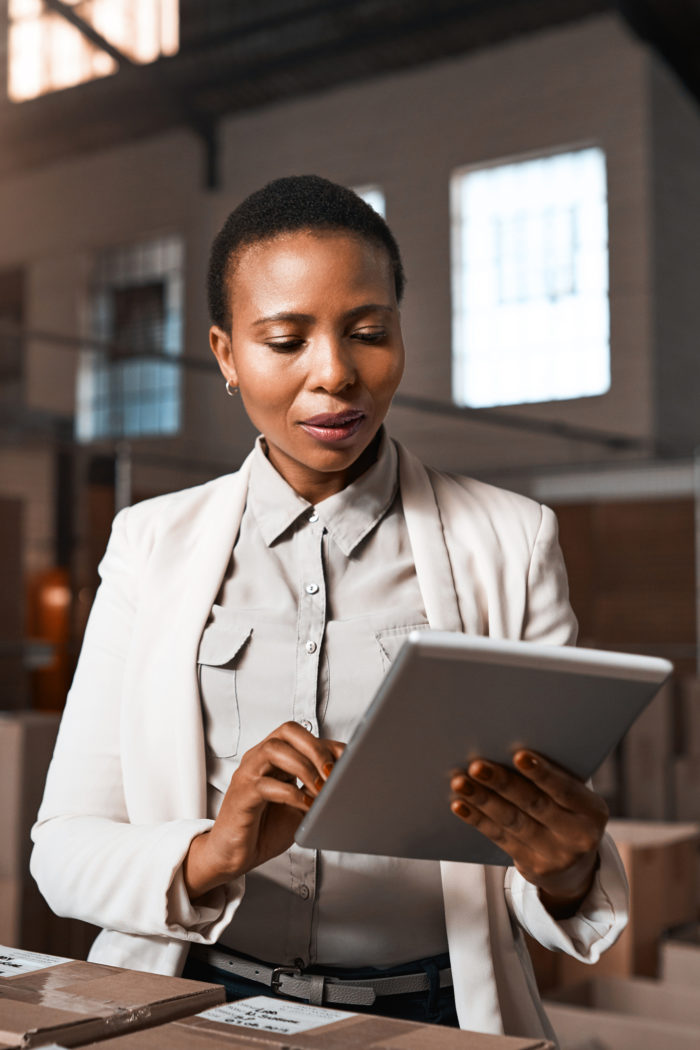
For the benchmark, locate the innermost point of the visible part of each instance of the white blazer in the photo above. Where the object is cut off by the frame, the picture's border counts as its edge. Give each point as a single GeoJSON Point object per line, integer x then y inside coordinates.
{"type": "Point", "coordinates": [126, 790]}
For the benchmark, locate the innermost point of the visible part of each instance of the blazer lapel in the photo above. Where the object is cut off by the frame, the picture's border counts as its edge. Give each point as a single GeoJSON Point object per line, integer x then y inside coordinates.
{"type": "Point", "coordinates": [430, 556]}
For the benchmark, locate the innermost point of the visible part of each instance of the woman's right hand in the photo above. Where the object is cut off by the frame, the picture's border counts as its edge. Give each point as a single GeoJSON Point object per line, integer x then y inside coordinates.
{"type": "Point", "coordinates": [262, 808]}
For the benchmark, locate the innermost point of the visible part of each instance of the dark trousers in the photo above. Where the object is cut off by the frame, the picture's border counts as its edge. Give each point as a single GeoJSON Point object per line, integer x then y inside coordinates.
{"type": "Point", "coordinates": [434, 1006]}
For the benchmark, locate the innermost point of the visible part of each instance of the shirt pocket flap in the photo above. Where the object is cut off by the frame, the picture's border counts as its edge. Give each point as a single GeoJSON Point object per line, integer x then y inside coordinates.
{"type": "Point", "coordinates": [391, 639]}
{"type": "Point", "coordinates": [222, 642]}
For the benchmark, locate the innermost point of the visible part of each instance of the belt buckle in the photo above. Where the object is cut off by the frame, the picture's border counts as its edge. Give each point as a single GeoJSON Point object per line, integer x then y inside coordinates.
{"type": "Point", "coordinates": [283, 971]}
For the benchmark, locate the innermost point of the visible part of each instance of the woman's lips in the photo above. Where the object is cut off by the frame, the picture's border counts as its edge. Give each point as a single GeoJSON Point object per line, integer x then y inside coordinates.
{"type": "Point", "coordinates": [333, 427]}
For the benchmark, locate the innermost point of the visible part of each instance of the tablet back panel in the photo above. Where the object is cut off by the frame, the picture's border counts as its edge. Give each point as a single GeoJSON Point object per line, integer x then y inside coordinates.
{"type": "Point", "coordinates": [450, 698]}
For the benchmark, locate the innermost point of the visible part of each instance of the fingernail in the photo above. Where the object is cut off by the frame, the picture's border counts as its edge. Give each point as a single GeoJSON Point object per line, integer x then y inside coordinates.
{"type": "Point", "coordinates": [463, 785]}
{"type": "Point", "coordinates": [526, 760]}
{"type": "Point", "coordinates": [481, 771]}
{"type": "Point", "coordinates": [327, 769]}
{"type": "Point", "coordinates": [461, 809]}
{"type": "Point", "coordinates": [318, 783]}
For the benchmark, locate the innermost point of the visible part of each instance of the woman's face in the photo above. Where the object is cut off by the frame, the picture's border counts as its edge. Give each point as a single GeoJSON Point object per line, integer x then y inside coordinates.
{"type": "Point", "coordinates": [315, 348]}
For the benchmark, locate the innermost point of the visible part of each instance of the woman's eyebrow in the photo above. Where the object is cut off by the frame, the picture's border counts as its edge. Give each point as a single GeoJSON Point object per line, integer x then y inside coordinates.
{"type": "Point", "coordinates": [284, 315]}
{"type": "Point", "coordinates": [289, 315]}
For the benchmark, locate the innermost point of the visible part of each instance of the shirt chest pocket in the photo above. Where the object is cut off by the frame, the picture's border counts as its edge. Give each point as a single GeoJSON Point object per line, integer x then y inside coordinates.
{"type": "Point", "coordinates": [220, 651]}
{"type": "Point", "coordinates": [391, 639]}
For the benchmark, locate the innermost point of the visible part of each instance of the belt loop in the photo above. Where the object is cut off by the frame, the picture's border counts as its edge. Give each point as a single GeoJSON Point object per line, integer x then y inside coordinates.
{"type": "Point", "coordinates": [317, 985]}
{"type": "Point", "coordinates": [433, 975]}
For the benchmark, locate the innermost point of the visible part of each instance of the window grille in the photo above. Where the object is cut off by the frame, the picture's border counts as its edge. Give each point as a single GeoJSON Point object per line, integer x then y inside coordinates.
{"type": "Point", "coordinates": [530, 280]}
{"type": "Point", "coordinates": [127, 386]}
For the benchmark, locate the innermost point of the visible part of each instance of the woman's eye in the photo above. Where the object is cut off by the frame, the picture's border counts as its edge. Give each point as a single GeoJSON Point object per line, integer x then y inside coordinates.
{"type": "Point", "coordinates": [285, 345]}
{"type": "Point", "coordinates": [369, 335]}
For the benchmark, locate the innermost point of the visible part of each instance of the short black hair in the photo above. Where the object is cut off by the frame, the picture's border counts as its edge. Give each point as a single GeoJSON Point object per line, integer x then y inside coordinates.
{"type": "Point", "coordinates": [296, 202]}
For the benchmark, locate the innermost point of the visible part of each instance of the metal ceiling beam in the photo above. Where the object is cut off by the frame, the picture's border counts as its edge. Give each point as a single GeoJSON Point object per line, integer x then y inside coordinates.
{"type": "Point", "coordinates": [553, 428]}
{"type": "Point", "coordinates": [88, 31]}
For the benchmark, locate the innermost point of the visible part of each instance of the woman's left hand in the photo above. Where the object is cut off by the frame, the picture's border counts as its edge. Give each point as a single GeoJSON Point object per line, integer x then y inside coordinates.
{"type": "Point", "coordinates": [547, 820]}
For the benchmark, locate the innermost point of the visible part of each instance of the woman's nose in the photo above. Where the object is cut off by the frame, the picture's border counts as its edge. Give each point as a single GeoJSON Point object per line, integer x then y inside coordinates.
{"type": "Point", "coordinates": [333, 367]}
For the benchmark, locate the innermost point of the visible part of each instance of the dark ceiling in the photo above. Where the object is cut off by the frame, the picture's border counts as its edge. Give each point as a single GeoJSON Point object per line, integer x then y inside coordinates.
{"type": "Point", "coordinates": [236, 56]}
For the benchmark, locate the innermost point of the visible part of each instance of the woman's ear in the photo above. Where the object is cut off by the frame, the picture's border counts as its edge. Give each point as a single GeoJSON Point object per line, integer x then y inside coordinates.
{"type": "Point", "coordinates": [220, 344]}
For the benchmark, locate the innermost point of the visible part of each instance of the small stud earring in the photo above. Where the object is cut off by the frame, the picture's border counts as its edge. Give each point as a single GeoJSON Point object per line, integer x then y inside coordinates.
{"type": "Point", "coordinates": [231, 390]}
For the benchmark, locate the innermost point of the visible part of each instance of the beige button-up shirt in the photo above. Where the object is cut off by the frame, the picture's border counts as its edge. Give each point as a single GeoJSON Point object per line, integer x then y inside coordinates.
{"type": "Point", "coordinates": [316, 603]}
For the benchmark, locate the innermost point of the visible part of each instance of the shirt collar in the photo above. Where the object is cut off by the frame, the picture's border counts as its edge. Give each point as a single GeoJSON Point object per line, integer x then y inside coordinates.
{"type": "Point", "coordinates": [349, 515]}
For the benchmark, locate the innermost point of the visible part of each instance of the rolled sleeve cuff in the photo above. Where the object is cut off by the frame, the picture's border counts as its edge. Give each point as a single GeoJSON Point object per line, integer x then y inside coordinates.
{"type": "Point", "coordinates": [202, 922]}
{"type": "Point", "coordinates": [601, 918]}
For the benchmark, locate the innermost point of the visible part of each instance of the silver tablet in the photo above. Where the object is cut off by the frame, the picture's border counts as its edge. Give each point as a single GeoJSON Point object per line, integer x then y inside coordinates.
{"type": "Point", "coordinates": [449, 698]}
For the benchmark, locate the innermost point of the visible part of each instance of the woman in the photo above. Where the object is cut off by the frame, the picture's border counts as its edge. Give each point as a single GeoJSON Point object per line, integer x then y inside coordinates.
{"type": "Point", "coordinates": [240, 631]}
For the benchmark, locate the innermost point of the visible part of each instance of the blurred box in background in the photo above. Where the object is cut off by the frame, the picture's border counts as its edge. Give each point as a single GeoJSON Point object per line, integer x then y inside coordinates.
{"type": "Point", "coordinates": [625, 1014]}
{"type": "Point", "coordinates": [646, 759]}
{"type": "Point", "coordinates": [680, 957]}
{"type": "Point", "coordinates": [661, 865]}
{"type": "Point", "coordinates": [12, 677]}
{"type": "Point", "coordinates": [661, 861]}
{"type": "Point", "coordinates": [27, 741]}
{"type": "Point", "coordinates": [689, 697]}
{"type": "Point", "coordinates": [686, 784]}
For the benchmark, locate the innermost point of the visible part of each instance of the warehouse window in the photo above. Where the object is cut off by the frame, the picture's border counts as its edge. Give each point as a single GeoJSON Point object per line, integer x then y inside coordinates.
{"type": "Point", "coordinates": [47, 52]}
{"type": "Point", "coordinates": [374, 196]}
{"type": "Point", "coordinates": [126, 384]}
{"type": "Point", "coordinates": [530, 280]}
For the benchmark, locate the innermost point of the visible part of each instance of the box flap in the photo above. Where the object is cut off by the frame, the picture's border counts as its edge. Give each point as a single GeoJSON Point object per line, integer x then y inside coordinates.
{"type": "Point", "coordinates": [79, 1001]}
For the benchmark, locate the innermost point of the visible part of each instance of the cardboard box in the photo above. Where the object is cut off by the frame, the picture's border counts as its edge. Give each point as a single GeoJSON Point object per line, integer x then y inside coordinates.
{"type": "Point", "coordinates": [686, 786]}
{"type": "Point", "coordinates": [545, 963]}
{"type": "Point", "coordinates": [661, 865]}
{"type": "Point", "coordinates": [12, 674]}
{"type": "Point", "coordinates": [625, 1014]}
{"type": "Point", "coordinates": [27, 741]}
{"type": "Point", "coordinates": [10, 898]}
{"type": "Point", "coordinates": [680, 958]}
{"type": "Point", "coordinates": [689, 695]}
{"type": "Point", "coordinates": [636, 996]}
{"type": "Point", "coordinates": [580, 1028]}
{"type": "Point", "coordinates": [279, 1024]}
{"type": "Point", "coordinates": [44, 999]}
{"type": "Point", "coordinates": [646, 760]}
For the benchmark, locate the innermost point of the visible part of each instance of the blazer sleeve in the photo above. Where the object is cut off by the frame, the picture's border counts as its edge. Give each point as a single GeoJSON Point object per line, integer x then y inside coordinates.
{"type": "Point", "coordinates": [604, 912]}
{"type": "Point", "coordinates": [89, 860]}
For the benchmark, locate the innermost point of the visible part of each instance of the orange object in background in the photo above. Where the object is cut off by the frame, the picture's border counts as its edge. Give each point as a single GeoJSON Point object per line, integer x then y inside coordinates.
{"type": "Point", "coordinates": [49, 611]}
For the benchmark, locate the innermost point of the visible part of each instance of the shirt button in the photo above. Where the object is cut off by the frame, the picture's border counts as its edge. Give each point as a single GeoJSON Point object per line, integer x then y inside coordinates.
{"type": "Point", "coordinates": [310, 648]}
{"type": "Point", "coordinates": [305, 724]}
{"type": "Point", "coordinates": [304, 892]}
{"type": "Point", "coordinates": [313, 517]}
{"type": "Point", "coordinates": [312, 588]}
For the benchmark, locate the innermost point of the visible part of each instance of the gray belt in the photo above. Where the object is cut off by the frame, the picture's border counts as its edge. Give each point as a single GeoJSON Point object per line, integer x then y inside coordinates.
{"type": "Point", "coordinates": [292, 982]}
